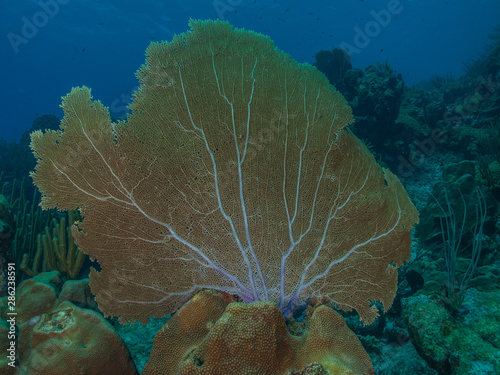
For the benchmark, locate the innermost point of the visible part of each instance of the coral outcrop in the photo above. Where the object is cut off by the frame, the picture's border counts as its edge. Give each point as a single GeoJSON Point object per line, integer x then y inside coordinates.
{"type": "Point", "coordinates": [60, 333]}
{"type": "Point", "coordinates": [213, 335]}
{"type": "Point", "coordinates": [72, 340]}
{"type": "Point", "coordinates": [45, 291]}
{"type": "Point", "coordinates": [464, 343]}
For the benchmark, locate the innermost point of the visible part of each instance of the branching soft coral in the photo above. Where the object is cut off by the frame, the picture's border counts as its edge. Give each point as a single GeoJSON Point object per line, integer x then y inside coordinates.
{"type": "Point", "coordinates": [234, 172]}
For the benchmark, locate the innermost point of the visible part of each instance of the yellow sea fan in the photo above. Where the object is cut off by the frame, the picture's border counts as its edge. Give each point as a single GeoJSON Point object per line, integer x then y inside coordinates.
{"type": "Point", "coordinates": [234, 172]}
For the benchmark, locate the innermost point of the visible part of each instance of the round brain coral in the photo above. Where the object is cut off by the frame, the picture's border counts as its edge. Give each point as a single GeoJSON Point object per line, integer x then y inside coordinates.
{"type": "Point", "coordinates": [72, 340]}
{"type": "Point", "coordinates": [210, 335]}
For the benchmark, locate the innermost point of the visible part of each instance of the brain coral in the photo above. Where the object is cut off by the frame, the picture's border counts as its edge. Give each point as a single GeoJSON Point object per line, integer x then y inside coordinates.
{"type": "Point", "coordinates": [211, 336]}
{"type": "Point", "coordinates": [72, 340]}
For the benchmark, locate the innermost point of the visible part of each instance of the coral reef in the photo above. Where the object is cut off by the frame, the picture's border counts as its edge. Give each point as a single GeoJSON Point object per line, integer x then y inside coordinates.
{"type": "Point", "coordinates": [237, 170]}
{"type": "Point", "coordinates": [379, 95]}
{"type": "Point", "coordinates": [462, 344]}
{"type": "Point", "coordinates": [232, 194]}
{"type": "Point", "coordinates": [458, 180]}
{"type": "Point", "coordinates": [375, 96]}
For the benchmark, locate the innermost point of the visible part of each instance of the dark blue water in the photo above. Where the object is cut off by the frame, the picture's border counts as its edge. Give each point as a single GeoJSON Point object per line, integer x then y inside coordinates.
{"type": "Point", "coordinates": [49, 46]}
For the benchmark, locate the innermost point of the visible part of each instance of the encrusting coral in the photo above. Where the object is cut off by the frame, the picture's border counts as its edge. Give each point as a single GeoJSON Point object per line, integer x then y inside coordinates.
{"type": "Point", "coordinates": [235, 172]}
